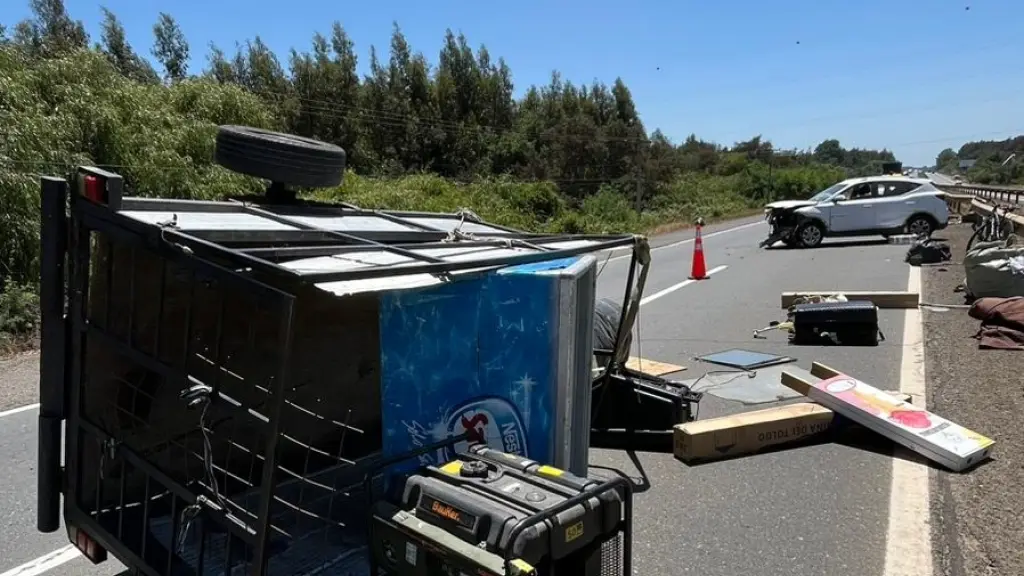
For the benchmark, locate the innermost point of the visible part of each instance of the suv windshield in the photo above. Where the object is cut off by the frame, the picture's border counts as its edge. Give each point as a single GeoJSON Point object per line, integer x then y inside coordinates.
{"type": "Point", "coordinates": [827, 192]}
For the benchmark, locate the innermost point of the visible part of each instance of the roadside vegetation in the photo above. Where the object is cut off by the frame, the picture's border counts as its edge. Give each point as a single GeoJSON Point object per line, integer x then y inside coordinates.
{"type": "Point", "coordinates": [439, 135]}
{"type": "Point", "coordinates": [994, 161]}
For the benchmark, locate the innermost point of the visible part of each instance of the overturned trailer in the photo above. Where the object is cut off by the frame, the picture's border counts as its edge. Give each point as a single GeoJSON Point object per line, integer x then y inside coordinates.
{"type": "Point", "coordinates": [228, 373]}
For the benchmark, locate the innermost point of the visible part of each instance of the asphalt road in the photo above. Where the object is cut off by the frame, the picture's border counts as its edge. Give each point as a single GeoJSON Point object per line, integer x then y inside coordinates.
{"type": "Point", "coordinates": [813, 510]}
{"type": "Point", "coordinates": [819, 509]}
{"type": "Point", "coordinates": [940, 179]}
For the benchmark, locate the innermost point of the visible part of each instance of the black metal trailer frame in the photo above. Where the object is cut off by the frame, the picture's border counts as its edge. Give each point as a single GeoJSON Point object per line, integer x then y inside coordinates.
{"type": "Point", "coordinates": [241, 268]}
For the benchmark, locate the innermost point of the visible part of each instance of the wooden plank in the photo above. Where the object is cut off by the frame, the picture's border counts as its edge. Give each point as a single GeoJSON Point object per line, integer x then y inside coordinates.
{"type": "Point", "coordinates": [931, 436]}
{"type": "Point", "coordinates": [880, 298]}
{"type": "Point", "coordinates": [652, 367]}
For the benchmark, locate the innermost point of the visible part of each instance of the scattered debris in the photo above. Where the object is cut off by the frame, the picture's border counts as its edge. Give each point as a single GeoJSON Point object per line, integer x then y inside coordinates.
{"type": "Point", "coordinates": [1002, 322]}
{"type": "Point", "coordinates": [931, 436]}
{"type": "Point", "coordinates": [652, 367]}
{"type": "Point", "coordinates": [995, 269]}
{"type": "Point", "coordinates": [880, 298]}
{"type": "Point", "coordinates": [840, 323]}
{"type": "Point", "coordinates": [751, 432]}
{"type": "Point", "coordinates": [903, 239]}
{"type": "Point", "coordinates": [745, 359]}
{"type": "Point", "coordinates": [943, 307]}
{"type": "Point", "coordinates": [774, 325]}
{"type": "Point", "coordinates": [928, 251]}
{"type": "Point", "coordinates": [748, 387]}
{"type": "Point", "coordinates": [798, 298]}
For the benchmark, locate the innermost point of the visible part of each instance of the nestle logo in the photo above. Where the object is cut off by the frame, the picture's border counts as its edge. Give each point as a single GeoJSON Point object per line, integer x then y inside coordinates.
{"type": "Point", "coordinates": [492, 421]}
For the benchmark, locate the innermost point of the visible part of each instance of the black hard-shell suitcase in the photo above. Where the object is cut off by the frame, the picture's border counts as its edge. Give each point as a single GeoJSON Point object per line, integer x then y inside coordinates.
{"type": "Point", "coordinates": [842, 323]}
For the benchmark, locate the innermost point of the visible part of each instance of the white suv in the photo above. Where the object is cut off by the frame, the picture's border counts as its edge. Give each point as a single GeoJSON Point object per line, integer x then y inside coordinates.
{"type": "Point", "coordinates": [873, 206]}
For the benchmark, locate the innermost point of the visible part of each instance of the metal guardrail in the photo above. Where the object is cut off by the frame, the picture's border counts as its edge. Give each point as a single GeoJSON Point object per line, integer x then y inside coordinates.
{"type": "Point", "coordinates": [985, 209]}
{"type": "Point", "coordinates": [977, 194]}
{"type": "Point", "coordinates": [1008, 194]}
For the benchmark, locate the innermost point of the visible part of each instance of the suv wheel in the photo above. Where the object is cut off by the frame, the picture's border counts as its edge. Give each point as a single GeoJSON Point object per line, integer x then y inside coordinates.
{"type": "Point", "coordinates": [810, 234]}
{"type": "Point", "coordinates": [920, 226]}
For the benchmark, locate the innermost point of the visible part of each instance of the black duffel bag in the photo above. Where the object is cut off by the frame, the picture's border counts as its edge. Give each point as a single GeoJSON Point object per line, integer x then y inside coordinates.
{"type": "Point", "coordinates": [928, 251]}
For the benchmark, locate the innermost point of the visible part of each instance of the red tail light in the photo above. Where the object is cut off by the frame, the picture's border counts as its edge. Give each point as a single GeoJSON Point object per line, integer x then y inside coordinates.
{"type": "Point", "coordinates": [87, 546]}
{"type": "Point", "coordinates": [95, 189]}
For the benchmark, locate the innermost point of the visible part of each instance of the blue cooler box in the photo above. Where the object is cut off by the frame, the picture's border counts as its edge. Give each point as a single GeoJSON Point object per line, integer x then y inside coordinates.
{"type": "Point", "coordinates": [505, 355]}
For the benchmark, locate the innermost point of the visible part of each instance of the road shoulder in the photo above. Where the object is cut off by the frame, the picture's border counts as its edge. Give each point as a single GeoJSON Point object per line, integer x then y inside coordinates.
{"type": "Point", "coordinates": [19, 379]}
{"type": "Point", "coordinates": [977, 516]}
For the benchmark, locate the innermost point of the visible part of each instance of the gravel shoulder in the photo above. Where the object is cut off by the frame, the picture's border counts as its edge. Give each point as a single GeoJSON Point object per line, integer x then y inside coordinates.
{"type": "Point", "coordinates": [978, 516]}
{"type": "Point", "coordinates": [19, 380]}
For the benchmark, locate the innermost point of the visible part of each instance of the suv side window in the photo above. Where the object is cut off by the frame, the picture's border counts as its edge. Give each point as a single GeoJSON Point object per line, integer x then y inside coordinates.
{"type": "Point", "coordinates": [899, 188]}
{"type": "Point", "coordinates": [860, 192]}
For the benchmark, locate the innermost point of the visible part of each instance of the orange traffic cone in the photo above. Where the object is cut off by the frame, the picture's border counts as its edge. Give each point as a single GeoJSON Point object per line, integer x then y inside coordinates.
{"type": "Point", "coordinates": [698, 270]}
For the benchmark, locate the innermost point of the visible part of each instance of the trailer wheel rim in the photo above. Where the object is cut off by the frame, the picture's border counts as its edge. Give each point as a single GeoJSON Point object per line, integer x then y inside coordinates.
{"type": "Point", "coordinates": [810, 235]}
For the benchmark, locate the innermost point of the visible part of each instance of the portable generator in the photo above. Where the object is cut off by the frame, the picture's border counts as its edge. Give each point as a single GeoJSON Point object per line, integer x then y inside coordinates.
{"type": "Point", "coordinates": [489, 513]}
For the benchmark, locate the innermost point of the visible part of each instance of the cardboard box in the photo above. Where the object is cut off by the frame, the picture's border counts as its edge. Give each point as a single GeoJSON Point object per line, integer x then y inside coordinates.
{"type": "Point", "coordinates": [749, 432]}
{"type": "Point", "coordinates": [931, 436]}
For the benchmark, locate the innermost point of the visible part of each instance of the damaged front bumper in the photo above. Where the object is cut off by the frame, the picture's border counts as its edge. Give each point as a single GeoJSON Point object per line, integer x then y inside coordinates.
{"type": "Point", "coordinates": [782, 227]}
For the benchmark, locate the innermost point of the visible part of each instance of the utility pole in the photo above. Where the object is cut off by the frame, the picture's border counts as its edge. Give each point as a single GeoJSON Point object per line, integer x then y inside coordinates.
{"type": "Point", "coordinates": [771, 165]}
{"type": "Point", "coordinates": [639, 193]}
{"type": "Point", "coordinates": [638, 179]}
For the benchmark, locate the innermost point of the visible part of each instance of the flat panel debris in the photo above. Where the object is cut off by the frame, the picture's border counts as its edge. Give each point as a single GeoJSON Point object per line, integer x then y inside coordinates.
{"type": "Point", "coordinates": [931, 436]}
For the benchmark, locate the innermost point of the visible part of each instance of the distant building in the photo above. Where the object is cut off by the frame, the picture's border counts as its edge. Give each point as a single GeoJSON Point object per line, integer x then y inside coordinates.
{"type": "Point", "coordinates": [967, 164]}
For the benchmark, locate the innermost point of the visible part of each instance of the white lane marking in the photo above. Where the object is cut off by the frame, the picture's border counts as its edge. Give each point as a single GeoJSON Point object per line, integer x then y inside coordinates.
{"type": "Point", "coordinates": [908, 549]}
{"type": "Point", "coordinates": [44, 564]}
{"type": "Point", "coordinates": [675, 287]}
{"type": "Point", "coordinates": [18, 410]}
{"type": "Point", "coordinates": [690, 240]}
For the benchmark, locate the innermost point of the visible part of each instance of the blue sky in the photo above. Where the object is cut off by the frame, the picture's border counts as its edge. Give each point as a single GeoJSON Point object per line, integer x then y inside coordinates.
{"type": "Point", "coordinates": [914, 76]}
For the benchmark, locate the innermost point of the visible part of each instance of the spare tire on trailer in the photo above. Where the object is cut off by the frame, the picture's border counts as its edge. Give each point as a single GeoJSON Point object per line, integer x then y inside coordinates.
{"type": "Point", "coordinates": [607, 314]}
{"type": "Point", "coordinates": [280, 158]}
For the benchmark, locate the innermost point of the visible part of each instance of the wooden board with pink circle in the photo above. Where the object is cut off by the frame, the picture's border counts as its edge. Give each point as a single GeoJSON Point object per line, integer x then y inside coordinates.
{"type": "Point", "coordinates": [928, 434]}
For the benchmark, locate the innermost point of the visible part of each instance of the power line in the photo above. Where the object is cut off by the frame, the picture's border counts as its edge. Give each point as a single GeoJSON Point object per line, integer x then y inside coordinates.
{"type": "Point", "coordinates": [356, 112]}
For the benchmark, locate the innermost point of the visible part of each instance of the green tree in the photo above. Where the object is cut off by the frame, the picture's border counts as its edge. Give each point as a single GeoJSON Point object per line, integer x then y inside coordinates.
{"type": "Point", "coordinates": [327, 90]}
{"type": "Point", "coordinates": [50, 32]}
{"type": "Point", "coordinates": [120, 53]}
{"type": "Point", "coordinates": [170, 48]}
{"type": "Point", "coordinates": [218, 66]}
{"type": "Point", "coordinates": [830, 152]}
{"type": "Point", "coordinates": [946, 159]}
